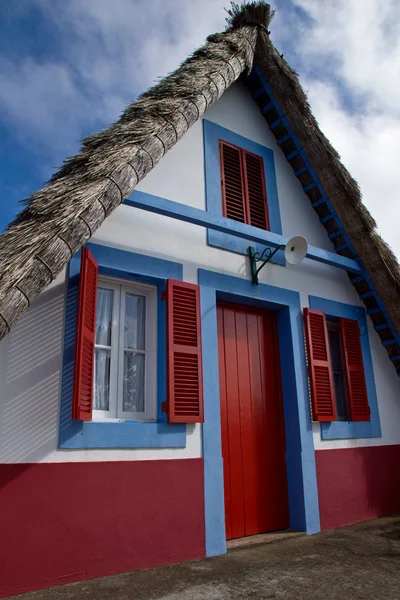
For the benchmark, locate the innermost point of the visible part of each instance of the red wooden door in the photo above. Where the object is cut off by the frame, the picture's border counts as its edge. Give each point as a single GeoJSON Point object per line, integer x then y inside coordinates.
{"type": "Point", "coordinates": [253, 443]}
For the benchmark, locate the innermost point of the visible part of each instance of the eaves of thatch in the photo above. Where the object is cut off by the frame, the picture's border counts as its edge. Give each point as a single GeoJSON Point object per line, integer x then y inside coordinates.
{"type": "Point", "coordinates": [63, 215]}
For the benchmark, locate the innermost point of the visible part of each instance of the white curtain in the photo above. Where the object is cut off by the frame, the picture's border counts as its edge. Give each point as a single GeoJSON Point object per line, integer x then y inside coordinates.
{"type": "Point", "coordinates": [134, 363]}
{"type": "Point", "coordinates": [135, 320]}
{"type": "Point", "coordinates": [103, 355]}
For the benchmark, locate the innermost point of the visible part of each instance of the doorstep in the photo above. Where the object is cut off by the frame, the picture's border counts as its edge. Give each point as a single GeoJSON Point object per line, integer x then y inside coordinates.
{"type": "Point", "coordinates": [263, 538]}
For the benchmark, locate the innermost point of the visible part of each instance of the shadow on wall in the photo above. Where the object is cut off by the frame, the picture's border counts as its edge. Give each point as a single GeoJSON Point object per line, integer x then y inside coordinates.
{"type": "Point", "coordinates": [31, 359]}
{"type": "Point", "coordinates": [358, 484]}
{"type": "Point", "coordinates": [379, 465]}
{"type": "Point", "coordinates": [380, 470]}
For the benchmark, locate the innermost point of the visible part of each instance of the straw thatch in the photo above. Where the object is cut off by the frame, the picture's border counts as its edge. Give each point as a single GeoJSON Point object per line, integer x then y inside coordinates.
{"type": "Point", "coordinates": [62, 216]}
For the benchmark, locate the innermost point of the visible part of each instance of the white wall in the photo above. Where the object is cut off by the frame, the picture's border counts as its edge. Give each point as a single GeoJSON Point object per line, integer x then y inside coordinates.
{"type": "Point", "coordinates": [30, 383]}
{"type": "Point", "coordinates": [31, 355]}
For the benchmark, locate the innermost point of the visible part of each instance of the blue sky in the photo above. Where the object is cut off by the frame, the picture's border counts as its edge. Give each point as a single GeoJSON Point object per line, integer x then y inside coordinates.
{"type": "Point", "coordinates": [69, 67]}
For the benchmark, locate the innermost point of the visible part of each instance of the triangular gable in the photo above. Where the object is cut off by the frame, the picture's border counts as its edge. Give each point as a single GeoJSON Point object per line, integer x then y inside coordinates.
{"type": "Point", "coordinates": [63, 215]}
{"type": "Point", "coordinates": [333, 193]}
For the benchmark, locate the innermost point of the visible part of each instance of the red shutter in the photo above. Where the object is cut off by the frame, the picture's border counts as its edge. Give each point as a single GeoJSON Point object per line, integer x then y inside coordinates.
{"type": "Point", "coordinates": [256, 192]}
{"type": "Point", "coordinates": [233, 193]}
{"type": "Point", "coordinates": [244, 196]}
{"type": "Point", "coordinates": [319, 366]}
{"type": "Point", "coordinates": [85, 337]}
{"type": "Point", "coordinates": [354, 370]}
{"type": "Point", "coordinates": [185, 378]}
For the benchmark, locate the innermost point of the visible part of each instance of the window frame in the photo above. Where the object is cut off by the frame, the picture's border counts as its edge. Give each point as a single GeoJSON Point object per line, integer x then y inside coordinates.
{"type": "Point", "coordinates": [344, 430]}
{"type": "Point", "coordinates": [75, 434]}
{"type": "Point", "coordinates": [120, 288]}
{"type": "Point", "coordinates": [212, 133]}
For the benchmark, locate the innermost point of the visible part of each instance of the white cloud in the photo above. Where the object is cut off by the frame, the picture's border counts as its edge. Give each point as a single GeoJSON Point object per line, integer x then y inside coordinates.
{"type": "Point", "coordinates": [350, 64]}
{"type": "Point", "coordinates": [43, 97]}
{"type": "Point", "coordinates": [347, 53]}
{"type": "Point", "coordinates": [111, 51]}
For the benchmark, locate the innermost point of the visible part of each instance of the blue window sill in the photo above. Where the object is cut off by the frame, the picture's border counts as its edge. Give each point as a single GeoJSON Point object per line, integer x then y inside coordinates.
{"type": "Point", "coordinates": [212, 134]}
{"type": "Point", "coordinates": [345, 430]}
{"type": "Point", "coordinates": [128, 434]}
{"type": "Point", "coordinates": [78, 434]}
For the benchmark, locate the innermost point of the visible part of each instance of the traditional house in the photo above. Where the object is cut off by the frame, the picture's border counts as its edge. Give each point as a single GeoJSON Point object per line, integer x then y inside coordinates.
{"type": "Point", "coordinates": [155, 401]}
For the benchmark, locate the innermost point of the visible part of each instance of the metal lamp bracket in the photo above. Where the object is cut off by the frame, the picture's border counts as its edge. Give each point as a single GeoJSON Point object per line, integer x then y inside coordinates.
{"type": "Point", "coordinates": [264, 258]}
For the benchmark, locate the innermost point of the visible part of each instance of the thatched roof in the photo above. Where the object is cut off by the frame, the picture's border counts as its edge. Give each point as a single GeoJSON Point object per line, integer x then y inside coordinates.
{"type": "Point", "coordinates": [63, 215]}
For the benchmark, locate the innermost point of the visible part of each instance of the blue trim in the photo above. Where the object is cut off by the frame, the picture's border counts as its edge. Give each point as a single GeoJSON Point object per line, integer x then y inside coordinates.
{"type": "Point", "coordinates": [300, 455]}
{"type": "Point", "coordinates": [343, 430]}
{"type": "Point", "coordinates": [257, 76]}
{"type": "Point", "coordinates": [182, 212]}
{"type": "Point", "coordinates": [212, 134]}
{"type": "Point", "coordinates": [128, 434]}
{"type": "Point", "coordinates": [212, 453]}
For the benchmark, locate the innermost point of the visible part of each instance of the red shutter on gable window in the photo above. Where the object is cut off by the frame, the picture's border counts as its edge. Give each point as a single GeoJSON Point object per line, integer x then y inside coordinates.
{"type": "Point", "coordinates": [244, 196]}
{"type": "Point", "coordinates": [354, 370]}
{"type": "Point", "coordinates": [85, 337]}
{"type": "Point", "coordinates": [319, 366]}
{"type": "Point", "coordinates": [256, 192]}
{"type": "Point", "coordinates": [233, 193]}
{"type": "Point", "coordinates": [185, 378]}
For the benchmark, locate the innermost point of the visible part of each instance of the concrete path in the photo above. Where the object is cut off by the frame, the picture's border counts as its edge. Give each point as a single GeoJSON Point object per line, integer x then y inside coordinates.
{"type": "Point", "coordinates": [361, 562]}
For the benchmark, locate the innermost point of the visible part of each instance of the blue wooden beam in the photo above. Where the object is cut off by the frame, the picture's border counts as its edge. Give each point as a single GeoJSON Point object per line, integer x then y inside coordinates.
{"type": "Point", "coordinates": [319, 202]}
{"type": "Point", "coordinates": [284, 139]}
{"type": "Point", "coordinates": [267, 108]}
{"type": "Point", "coordinates": [275, 124]}
{"type": "Point", "coordinates": [182, 212]}
{"type": "Point", "coordinates": [300, 171]}
{"type": "Point", "coordinates": [327, 218]}
{"type": "Point", "coordinates": [358, 279]}
{"type": "Point", "coordinates": [381, 327]}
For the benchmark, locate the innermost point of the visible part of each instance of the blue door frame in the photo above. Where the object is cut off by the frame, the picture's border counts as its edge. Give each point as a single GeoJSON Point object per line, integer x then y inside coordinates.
{"type": "Point", "coordinates": [300, 456]}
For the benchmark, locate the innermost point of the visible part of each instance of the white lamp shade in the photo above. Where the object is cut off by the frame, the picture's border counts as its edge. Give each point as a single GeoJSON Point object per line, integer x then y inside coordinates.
{"type": "Point", "coordinates": [296, 249]}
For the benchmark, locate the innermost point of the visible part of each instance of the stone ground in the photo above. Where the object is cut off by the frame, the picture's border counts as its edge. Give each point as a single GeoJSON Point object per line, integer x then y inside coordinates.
{"type": "Point", "coordinates": [360, 562]}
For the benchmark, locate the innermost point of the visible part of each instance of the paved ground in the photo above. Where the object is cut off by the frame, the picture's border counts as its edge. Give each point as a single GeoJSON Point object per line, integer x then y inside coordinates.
{"type": "Point", "coordinates": [361, 562]}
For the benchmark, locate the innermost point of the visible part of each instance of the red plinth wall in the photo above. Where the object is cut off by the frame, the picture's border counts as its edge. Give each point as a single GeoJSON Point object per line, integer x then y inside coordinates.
{"type": "Point", "coordinates": [357, 484]}
{"type": "Point", "coordinates": [73, 521]}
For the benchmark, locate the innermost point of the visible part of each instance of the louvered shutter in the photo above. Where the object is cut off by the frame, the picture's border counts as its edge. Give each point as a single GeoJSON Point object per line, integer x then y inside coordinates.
{"type": "Point", "coordinates": [244, 196]}
{"type": "Point", "coordinates": [185, 378]}
{"type": "Point", "coordinates": [85, 337]}
{"type": "Point", "coordinates": [256, 192]}
{"type": "Point", "coordinates": [319, 366]}
{"type": "Point", "coordinates": [354, 370]}
{"type": "Point", "coordinates": [233, 193]}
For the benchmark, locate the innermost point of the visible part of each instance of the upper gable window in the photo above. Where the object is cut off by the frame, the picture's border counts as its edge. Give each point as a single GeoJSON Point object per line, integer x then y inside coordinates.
{"type": "Point", "coordinates": [244, 195]}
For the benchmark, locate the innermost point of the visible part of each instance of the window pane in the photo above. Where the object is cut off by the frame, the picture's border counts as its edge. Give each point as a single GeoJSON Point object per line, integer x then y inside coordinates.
{"type": "Point", "coordinates": [135, 318]}
{"type": "Point", "coordinates": [341, 398]}
{"type": "Point", "coordinates": [338, 372]}
{"type": "Point", "coordinates": [102, 379]}
{"type": "Point", "coordinates": [336, 353]}
{"type": "Point", "coordinates": [133, 399]}
{"type": "Point", "coordinates": [104, 311]}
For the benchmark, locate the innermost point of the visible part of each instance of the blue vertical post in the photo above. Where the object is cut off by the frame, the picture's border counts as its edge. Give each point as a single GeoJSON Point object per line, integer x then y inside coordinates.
{"type": "Point", "coordinates": [212, 452]}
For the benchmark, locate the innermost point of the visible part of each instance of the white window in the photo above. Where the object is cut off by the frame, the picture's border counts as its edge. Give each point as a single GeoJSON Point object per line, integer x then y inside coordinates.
{"type": "Point", "coordinates": [125, 351]}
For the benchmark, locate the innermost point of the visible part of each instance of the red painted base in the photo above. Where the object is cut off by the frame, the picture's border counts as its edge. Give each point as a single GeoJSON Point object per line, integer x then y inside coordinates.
{"type": "Point", "coordinates": [357, 484]}
{"type": "Point", "coordinates": [74, 521]}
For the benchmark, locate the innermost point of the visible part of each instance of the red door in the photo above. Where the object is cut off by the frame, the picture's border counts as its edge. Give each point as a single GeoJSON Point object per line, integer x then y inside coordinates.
{"type": "Point", "coordinates": [253, 442]}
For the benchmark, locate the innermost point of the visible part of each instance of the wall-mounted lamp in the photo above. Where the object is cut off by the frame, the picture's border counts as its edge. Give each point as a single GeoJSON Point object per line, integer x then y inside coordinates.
{"type": "Point", "coordinates": [295, 250]}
